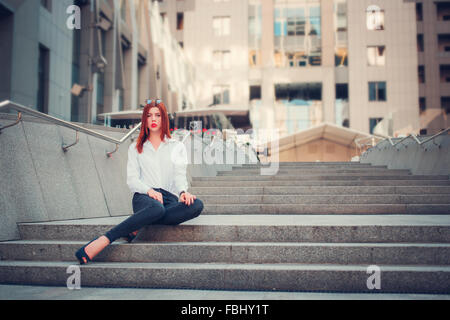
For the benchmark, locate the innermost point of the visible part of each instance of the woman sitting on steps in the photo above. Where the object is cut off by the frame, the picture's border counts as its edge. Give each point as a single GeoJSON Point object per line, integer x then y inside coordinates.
{"type": "Point", "coordinates": [156, 173]}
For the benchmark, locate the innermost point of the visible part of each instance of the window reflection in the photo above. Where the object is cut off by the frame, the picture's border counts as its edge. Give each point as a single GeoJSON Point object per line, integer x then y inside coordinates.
{"type": "Point", "coordinates": [299, 106]}
{"type": "Point", "coordinates": [297, 33]}
{"type": "Point", "coordinates": [221, 26]}
{"type": "Point", "coordinates": [377, 91]}
{"type": "Point", "coordinates": [376, 55]}
{"type": "Point", "coordinates": [254, 33]}
{"type": "Point", "coordinates": [341, 39]}
{"type": "Point", "coordinates": [221, 94]}
{"type": "Point", "coordinates": [375, 18]}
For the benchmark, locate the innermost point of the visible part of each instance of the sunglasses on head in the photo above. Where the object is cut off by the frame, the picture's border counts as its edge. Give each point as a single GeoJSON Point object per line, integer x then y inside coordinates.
{"type": "Point", "coordinates": [149, 101]}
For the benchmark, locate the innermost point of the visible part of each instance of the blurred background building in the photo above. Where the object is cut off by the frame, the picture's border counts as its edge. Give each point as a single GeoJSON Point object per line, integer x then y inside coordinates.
{"type": "Point", "coordinates": [295, 64]}
{"type": "Point", "coordinates": [374, 66]}
{"type": "Point", "coordinates": [433, 45]}
{"type": "Point", "coordinates": [122, 55]}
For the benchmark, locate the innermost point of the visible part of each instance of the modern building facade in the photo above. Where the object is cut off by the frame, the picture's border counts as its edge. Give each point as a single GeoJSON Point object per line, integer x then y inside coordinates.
{"type": "Point", "coordinates": [433, 45]}
{"type": "Point", "coordinates": [297, 63]}
{"type": "Point", "coordinates": [36, 59]}
{"type": "Point", "coordinates": [370, 65]}
{"type": "Point", "coordinates": [78, 60]}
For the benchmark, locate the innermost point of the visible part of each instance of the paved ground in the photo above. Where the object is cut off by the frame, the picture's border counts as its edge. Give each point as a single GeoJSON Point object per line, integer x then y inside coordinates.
{"type": "Point", "coordinates": [16, 292]}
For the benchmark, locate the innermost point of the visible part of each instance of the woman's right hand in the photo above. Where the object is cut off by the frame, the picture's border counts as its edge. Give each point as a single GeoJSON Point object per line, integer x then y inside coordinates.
{"type": "Point", "coordinates": [155, 195]}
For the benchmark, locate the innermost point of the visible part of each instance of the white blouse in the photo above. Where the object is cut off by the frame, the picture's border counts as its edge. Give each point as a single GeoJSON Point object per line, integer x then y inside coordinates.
{"type": "Point", "coordinates": [162, 168]}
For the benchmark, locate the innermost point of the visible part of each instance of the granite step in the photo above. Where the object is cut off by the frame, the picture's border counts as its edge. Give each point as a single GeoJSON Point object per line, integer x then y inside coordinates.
{"type": "Point", "coordinates": [320, 190]}
{"type": "Point", "coordinates": [294, 165]}
{"type": "Point", "coordinates": [235, 252]}
{"type": "Point", "coordinates": [325, 209]}
{"type": "Point", "coordinates": [274, 277]}
{"type": "Point", "coordinates": [304, 183]}
{"type": "Point", "coordinates": [381, 172]}
{"type": "Point", "coordinates": [260, 228]}
{"type": "Point", "coordinates": [312, 164]}
{"type": "Point", "coordinates": [240, 199]}
{"type": "Point", "coordinates": [320, 177]}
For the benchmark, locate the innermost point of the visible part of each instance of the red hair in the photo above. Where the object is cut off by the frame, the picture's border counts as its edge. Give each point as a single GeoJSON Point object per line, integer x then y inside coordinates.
{"type": "Point", "coordinates": [145, 131]}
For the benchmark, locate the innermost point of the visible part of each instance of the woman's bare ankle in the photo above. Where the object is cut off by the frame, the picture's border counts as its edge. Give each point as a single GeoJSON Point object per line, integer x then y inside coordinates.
{"type": "Point", "coordinates": [95, 247]}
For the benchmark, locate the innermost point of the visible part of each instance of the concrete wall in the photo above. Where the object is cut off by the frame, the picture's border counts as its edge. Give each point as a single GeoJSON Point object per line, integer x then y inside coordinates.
{"type": "Point", "coordinates": [425, 159]}
{"type": "Point", "coordinates": [40, 182]}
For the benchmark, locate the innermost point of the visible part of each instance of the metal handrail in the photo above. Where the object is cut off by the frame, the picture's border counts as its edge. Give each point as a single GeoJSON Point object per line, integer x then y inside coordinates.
{"type": "Point", "coordinates": [7, 104]}
{"type": "Point", "coordinates": [414, 137]}
{"type": "Point", "coordinates": [372, 137]}
{"type": "Point", "coordinates": [391, 142]}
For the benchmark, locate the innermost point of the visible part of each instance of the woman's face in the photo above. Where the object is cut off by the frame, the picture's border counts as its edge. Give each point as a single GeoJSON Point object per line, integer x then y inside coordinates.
{"type": "Point", "coordinates": [154, 120]}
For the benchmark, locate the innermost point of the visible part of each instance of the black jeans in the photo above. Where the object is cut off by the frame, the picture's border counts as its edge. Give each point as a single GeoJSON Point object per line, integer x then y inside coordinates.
{"type": "Point", "coordinates": [150, 211]}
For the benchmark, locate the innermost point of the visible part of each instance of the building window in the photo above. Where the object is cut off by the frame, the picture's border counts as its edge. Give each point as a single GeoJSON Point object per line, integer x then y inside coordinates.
{"type": "Point", "coordinates": [100, 92]}
{"type": "Point", "coordinates": [375, 18]}
{"type": "Point", "coordinates": [342, 91]}
{"type": "Point", "coordinates": [120, 99]}
{"type": "Point", "coordinates": [43, 79]}
{"type": "Point", "coordinates": [254, 57]}
{"type": "Point", "coordinates": [443, 11]}
{"type": "Point", "coordinates": [254, 34]}
{"type": "Point", "coordinates": [296, 59]}
{"type": "Point", "coordinates": [377, 91]}
{"type": "Point", "coordinates": [373, 122]}
{"type": "Point", "coordinates": [445, 73]}
{"type": "Point", "coordinates": [420, 42]}
{"type": "Point", "coordinates": [101, 76]}
{"type": "Point", "coordinates": [421, 74]}
{"type": "Point", "coordinates": [221, 95]}
{"type": "Point", "coordinates": [76, 53]}
{"type": "Point", "coordinates": [341, 31]}
{"type": "Point", "coordinates": [221, 60]}
{"type": "Point", "coordinates": [296, 26]}
{"type": "Point", "coordinates": [341, 57]}
{"type": "Point", "coordinates": [341, 105]}
{"type": "Point", "coordinates": [47, 4]}
{"type": "Point", "coordinates": [123, 10]}
{"type": "Point", "coordinates": [221, 26]}
{"type": "Point", "coordinates": [300, 105]}
{"type": "Point", "coordinates": [299, 91]}
{"type": "Point", "coordinates": [444, 43]}
{"type": "Point", "coordinates": [180, 20]}
{"type": "Point", "coordinates": [255, 93]}
{"type": "Point", "coordinates": [422, 105]}
{"type": "Point", "coordinates": [419, 12]}
{"type": "Point", "coordinates": [297, 33]}
{"type": "Point", "coordinates": [445, 104]}
{"type": "Point", "coordinates": [376, 55]}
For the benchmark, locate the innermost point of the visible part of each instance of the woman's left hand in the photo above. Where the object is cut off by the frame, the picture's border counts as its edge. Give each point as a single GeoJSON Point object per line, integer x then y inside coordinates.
{"type": "Point", "coordinates": [187, 198]}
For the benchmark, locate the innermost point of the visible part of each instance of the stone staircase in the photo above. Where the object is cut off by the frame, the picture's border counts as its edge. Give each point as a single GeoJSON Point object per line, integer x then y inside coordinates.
{"type": "Point", "coordinates": [311, 227]}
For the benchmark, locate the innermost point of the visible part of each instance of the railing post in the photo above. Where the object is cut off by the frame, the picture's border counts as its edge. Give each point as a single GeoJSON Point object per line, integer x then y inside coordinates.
{"type": "Point", "coordinates": [19, 118]}
{"type": "Point", "coordinates": [66, 147]}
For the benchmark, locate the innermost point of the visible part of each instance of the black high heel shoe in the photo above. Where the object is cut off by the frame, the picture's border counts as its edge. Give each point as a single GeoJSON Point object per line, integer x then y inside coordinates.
{"type": "Point", "coordinates": [81, 254]}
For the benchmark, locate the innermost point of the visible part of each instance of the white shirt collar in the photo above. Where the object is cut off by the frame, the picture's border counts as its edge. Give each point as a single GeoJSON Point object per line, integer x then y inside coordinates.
{"type": "Point", "coordinates": [163, 142]}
